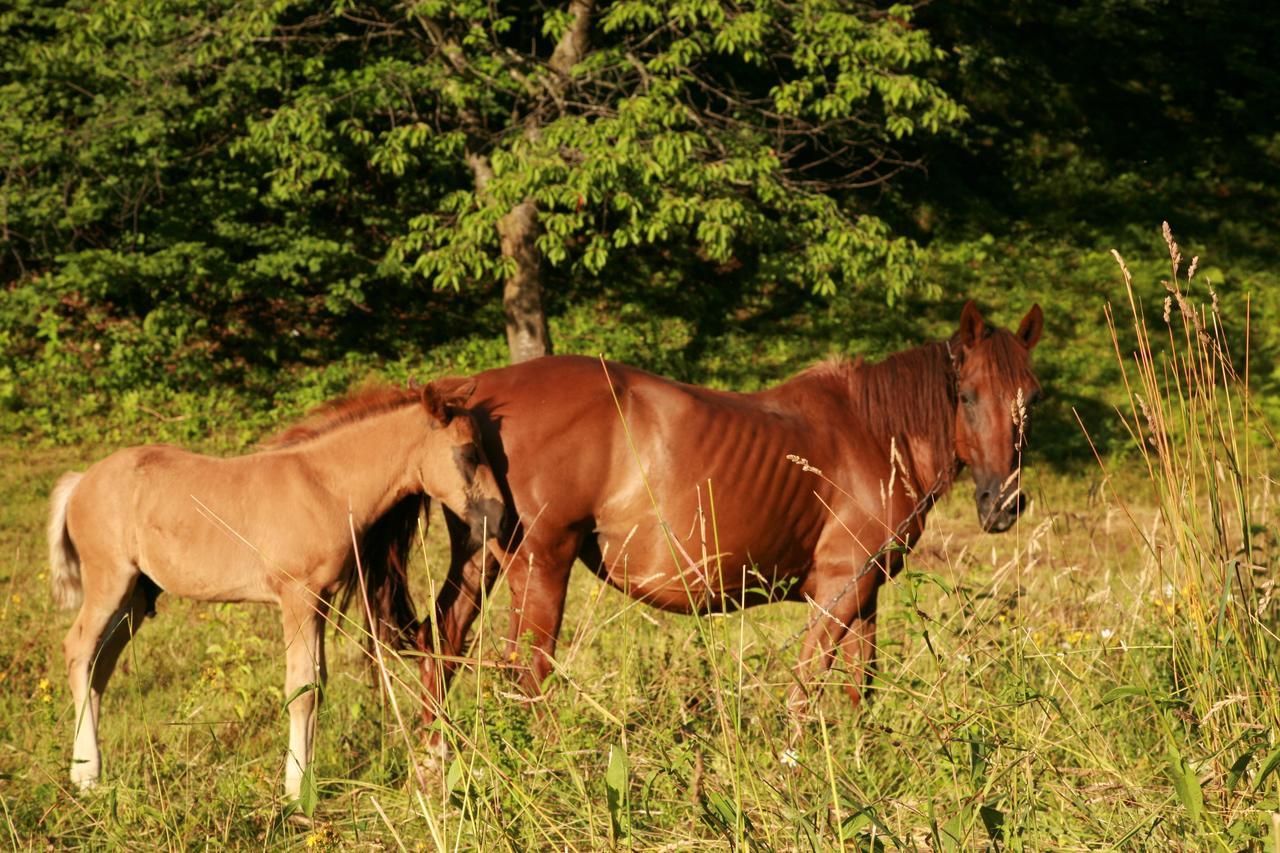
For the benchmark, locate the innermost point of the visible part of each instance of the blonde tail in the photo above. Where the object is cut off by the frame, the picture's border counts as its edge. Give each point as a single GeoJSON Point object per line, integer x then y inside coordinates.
{"type": "Point", "coordinates": [64, 561]}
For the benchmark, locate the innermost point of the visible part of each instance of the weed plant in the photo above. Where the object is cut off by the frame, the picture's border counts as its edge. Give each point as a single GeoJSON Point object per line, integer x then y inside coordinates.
{"type": "Point", "coordinates": [1207, 452]}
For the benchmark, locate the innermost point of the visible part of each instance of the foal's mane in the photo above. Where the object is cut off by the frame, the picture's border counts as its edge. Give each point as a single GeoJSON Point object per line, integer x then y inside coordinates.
{"type": "Point", "coordinates": [356, 406]}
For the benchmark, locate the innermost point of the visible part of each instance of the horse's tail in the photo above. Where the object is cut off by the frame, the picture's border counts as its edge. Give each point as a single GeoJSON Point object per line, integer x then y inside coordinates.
{"type": "Point", "coordinates": [384, 556]}
{"type": "Point", "coordinates": [64, 559]}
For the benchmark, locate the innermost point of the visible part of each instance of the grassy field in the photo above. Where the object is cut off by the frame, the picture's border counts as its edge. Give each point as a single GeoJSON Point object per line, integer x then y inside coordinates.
{"type": "Point", "coordinates": [1102, 676]}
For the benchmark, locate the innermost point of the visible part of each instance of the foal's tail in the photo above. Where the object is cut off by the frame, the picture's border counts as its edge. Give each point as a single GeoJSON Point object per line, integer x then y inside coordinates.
{"type": "Point", "coordinates": [64, 559]}
{"type": "Point", "coordinates": [384, 555]}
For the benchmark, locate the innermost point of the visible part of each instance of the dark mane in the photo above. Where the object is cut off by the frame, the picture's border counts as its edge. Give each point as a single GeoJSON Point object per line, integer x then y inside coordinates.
{"type": "Point", "coordinates": [908, 393]}
{"type": "Point", "coordinates": [356, 406]}
{"type": "Point", "coordinates": [1005, 354]}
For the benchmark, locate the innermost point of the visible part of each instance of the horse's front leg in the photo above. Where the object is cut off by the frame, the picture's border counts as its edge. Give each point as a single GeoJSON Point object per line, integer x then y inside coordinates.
{"type": "Point", "coordinates": [843, 607]}
{"type": "Point", "coordinates": [444, 641]}
{"type": "Point", "coordinates": [539, 581]}
{"type": "Point", "coordinates": [305, 674]}
{"type": "Point", "coordinates": [859, 650]}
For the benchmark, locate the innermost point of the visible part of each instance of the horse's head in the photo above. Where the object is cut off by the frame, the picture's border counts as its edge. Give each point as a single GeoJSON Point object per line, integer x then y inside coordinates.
{"type": "Point", "coordinates": [458, 474]}
{"type": "Point", "coordinates": [995, 392]}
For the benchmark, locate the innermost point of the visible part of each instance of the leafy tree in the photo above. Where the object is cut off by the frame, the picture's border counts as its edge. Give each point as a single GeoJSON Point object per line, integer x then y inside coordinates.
{"type": "Point", "coordinates": [204, 191]}
{"type": "Point", "coordinates": [1113, 114]}
{"type": "Point", "coordinates": [721, 129]}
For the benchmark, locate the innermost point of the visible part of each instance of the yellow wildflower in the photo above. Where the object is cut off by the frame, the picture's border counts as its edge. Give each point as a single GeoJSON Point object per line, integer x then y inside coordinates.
{"type": "Point", "coordinates": [322, 837]}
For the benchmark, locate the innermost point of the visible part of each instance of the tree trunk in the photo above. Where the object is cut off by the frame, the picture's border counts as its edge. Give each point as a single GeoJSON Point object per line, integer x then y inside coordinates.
{"type": "Point", "coordinates": [528, 336]}
{"type": "Point", "coordinates": [527, 333]}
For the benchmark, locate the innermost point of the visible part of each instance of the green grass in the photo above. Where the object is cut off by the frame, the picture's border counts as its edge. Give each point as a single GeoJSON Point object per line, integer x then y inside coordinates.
{"type": "Point", "coordinates": [1102, 676]}
{"type": "Point", "coordinates": [996, 655]}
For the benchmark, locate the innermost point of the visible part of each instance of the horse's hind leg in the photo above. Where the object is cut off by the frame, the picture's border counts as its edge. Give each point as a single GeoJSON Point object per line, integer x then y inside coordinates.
{"type": "Point", "coordinates": [112, 612]}
{"type": "Point", "coordinates": [128, 619]}
{"type": "Point", "coordinates": [305, 673]}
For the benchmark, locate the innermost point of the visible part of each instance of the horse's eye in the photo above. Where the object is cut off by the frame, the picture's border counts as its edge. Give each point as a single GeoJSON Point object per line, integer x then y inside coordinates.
{"type": "Point", "coordinates": [969, 398]}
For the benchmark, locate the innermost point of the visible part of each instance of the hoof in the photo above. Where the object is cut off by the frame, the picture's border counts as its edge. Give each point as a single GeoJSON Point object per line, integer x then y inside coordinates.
{"type": "Point", "coordinates": [83, 781]}
{"type": "Point", "coordinates": [433, 760]}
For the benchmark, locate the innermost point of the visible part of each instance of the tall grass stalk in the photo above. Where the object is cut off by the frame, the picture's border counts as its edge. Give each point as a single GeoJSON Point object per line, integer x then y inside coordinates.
{"type": "Point", "coordinates": [1205, 450]}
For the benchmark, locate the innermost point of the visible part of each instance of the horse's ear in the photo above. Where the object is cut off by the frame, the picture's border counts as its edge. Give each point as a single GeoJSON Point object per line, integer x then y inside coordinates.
{"type": "Point", "coordinates": [971, 324]}
{"type": "Point", "coordinates": [1032, 327]}
{"type": "Point", "coordinates": [436, 403]}
{"type": "Point", "coordinates": [442, 396]}
{"type": "Point", "coordinates": [456, 389]}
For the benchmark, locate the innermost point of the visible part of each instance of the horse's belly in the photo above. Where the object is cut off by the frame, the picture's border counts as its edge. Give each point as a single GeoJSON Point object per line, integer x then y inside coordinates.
{"type": "Point", "coordinates": [204, 564]}
{"type": "Point", "coordinates": [698, 568]}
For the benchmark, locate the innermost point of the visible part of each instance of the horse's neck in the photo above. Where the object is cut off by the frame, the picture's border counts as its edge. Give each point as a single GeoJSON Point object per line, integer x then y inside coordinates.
{"type": "Point", "coordinates": [370, 462]}
{"type": "Point", "coordinates": [910, 400]}
{"type": "Point", "coordinates": [899, 402]}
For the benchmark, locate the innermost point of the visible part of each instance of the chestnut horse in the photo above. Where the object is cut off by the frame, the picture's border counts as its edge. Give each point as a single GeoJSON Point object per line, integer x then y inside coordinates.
{"type": "Point", "coordinates": [277, 526]}
{"type": "Point", "coordinates": [695, 500]}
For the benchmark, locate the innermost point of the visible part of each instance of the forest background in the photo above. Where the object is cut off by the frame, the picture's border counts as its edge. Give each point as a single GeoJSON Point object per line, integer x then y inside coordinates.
{"type": "Point", "coordinates": [216, 215]}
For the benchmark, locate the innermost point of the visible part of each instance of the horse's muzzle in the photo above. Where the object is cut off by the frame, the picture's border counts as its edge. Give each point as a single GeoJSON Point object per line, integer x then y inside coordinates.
{"type": "Point", "coordinates": [488, 518]}
{"type": "Point", "coordinates": [999, 509]}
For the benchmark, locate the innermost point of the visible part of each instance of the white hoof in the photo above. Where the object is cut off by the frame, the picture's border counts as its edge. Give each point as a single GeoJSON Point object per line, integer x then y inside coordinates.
{"type": "Point", "coordinates": [83, 780]}
{"type": "Point", "coordinates": [437, 749]}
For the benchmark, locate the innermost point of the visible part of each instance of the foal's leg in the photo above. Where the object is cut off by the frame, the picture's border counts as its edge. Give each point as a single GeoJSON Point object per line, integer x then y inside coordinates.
{"type": "Point", "coordinates": [125, 624]}
{"type": "Point", "coordinates": [305, 667]}
{"type": "Point", "coordinates": [113, 608]}
{"type": "Point", "coordinates": [539, 581]}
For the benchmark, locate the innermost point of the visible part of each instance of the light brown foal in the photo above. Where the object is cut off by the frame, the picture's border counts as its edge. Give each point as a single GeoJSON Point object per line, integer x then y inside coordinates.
{"type": "Point", "coordinates": [276, 526]}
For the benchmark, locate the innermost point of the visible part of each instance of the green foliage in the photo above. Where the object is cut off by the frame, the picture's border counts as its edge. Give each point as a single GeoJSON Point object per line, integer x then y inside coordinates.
{"type": "Point", "coordinates": [616, 781]}
{"type": "Point", "coordinates": [1096, 118]}
{"type": "Point", "coordinates": [668, 136]}
{"type": "Point", "coordinates": [201, 195]}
